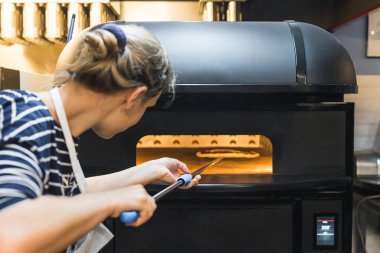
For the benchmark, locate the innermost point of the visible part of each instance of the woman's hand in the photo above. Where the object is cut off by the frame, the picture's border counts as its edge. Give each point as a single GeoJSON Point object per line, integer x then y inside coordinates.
{"type": "Point", "coordinates": [168, 170]}
{"type": "Point", "coordinates": [165, 170]}
{"type": "Point", "coordinates": [132, 198]}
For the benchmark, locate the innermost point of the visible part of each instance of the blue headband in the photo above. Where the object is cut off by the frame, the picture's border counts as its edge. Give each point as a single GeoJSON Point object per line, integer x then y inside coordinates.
{"type": "Point", "coordinates": [119, 34]}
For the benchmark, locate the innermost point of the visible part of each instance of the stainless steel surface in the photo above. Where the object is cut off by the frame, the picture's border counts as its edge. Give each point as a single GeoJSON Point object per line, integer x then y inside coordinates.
{"type": "Point", "coordinates": [179, 183]}
{"type": "Point", "coordinates": [367, 163]}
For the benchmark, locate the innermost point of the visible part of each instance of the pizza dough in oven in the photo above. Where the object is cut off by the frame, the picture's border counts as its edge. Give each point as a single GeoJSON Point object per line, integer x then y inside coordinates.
{"type": "Point", "coordinates": [227, 153]}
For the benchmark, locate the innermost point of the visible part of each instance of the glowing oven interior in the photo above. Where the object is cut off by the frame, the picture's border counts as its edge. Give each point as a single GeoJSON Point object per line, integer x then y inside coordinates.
{"type": "Point", "coordinates": [243, 154]}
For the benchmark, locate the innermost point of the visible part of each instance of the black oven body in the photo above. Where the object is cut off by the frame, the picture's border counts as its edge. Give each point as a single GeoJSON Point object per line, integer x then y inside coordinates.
{"type": "Point", "coordinates": [296, 100]}
{"type": "Point", "coordinates": [312, 169]}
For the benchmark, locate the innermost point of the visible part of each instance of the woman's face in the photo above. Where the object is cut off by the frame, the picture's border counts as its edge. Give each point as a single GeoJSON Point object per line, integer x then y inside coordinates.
{"type": "Point", "coordinates": [123, 118]}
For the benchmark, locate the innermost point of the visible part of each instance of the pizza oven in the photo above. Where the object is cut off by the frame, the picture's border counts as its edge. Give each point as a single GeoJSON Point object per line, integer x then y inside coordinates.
{"type": "Point", "coordinates": [269, 98]}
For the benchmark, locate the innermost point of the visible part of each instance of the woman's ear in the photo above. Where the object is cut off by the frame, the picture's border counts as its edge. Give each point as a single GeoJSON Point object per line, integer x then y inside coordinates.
{"type": "Point", "coordinates": [134, 95]}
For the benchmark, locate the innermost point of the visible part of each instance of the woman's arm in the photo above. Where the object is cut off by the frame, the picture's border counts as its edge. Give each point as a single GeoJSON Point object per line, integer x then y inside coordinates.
{"type": "Point", "coordinates": [131, 176]}
{"type": "Point", "coordinates": [165, 170]}
{"type": "Point", "coordinates": [51, 224]}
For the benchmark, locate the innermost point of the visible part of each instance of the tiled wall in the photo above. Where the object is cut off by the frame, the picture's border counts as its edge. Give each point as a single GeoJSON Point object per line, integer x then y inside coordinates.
{"type": "Point", "coordinates": [353, 36]}
{"type": "Point", "coordinates": [367, 118]}
{"type": "Point", "coordinates": [367, 110]}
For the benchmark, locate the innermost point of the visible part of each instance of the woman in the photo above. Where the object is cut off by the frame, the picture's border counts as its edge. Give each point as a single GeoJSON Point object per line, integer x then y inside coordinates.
{"type": "Point", "coordinates": [112, 75]}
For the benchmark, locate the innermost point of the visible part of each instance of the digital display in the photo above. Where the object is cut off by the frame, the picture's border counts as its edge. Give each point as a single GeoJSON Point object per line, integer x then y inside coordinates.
{"type": "Point", "coordinates": [325, 231]}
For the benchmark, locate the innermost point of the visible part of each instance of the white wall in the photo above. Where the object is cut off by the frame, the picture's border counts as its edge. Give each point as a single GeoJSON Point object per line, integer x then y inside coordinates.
{"type": "Point", "coordinates": [33, 59]}
{"type": "Point", "coordinates": [353, 36]}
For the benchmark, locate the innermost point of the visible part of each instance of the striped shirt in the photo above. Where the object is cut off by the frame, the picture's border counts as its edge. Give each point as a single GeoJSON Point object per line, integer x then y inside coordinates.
{"type": "Point", "coordinates": [34, 159]}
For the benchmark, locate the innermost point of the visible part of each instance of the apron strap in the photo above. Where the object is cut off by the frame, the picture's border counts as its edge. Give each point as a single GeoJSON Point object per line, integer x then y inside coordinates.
{"type": "Point", "coordinates": [78, 172]}
{"type": "Point", "coordinates": [100, 236]}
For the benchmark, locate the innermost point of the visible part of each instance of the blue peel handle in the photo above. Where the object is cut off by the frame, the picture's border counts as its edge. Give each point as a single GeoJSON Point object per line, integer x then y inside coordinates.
{"type": "Point", "coordinates": [129, 216]}
{"type": "Point", "coordinates": [185, 179]}
{"type": "Point", "coordinates": [132, 216]}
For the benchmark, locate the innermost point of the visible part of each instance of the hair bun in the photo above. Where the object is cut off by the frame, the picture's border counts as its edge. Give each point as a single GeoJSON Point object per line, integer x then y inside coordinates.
{"type": "Point", "coordinates": [119, 35]}
{"type": "Point", "coordinates": [99, 65]}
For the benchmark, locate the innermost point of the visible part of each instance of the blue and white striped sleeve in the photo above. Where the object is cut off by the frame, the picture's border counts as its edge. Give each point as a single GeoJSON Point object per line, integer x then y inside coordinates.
{"type": "Point", "coordinates": [20, 175]}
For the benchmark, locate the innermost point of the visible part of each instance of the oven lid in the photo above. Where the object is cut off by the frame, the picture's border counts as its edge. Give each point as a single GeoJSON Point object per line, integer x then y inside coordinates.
{"type": "Point", "coordinates": [255, 57]}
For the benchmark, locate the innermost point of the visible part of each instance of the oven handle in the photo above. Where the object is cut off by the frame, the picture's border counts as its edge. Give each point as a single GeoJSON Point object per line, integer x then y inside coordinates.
{"type": "Point", "coordinates": [279, 184]}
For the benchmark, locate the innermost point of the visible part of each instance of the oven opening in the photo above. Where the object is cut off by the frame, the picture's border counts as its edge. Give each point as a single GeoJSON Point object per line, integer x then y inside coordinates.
{"type": "Point", "coordinates": [242, 154]}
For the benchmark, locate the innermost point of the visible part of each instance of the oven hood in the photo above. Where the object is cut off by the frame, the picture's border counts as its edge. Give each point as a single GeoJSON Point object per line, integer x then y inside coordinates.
{"type": "Point", "coordinates": [255, 57]}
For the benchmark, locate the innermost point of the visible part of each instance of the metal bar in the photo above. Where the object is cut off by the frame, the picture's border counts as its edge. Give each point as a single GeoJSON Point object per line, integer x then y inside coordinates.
{"type": "Point", "coordinates": [177, 184]}
{"type": "Point", "coordinates": [165, 191]}
{"type": "Point", "coordinates": [71, 28]}
{"type": "Point", "coordinates": [201, 169]}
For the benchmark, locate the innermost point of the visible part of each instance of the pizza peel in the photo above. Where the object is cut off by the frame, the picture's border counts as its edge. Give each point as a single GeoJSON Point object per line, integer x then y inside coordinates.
{"type": "Point", "coordinates": [132, 216]}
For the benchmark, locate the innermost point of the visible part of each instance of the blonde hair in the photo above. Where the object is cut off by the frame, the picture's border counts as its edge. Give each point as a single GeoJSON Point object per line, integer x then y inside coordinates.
{"type": "Point", "coordinates": [102, 66]}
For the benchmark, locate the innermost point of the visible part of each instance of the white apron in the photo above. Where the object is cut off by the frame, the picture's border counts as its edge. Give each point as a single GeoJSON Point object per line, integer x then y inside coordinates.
{"type": "Point", "coordinates": [99, 236]}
